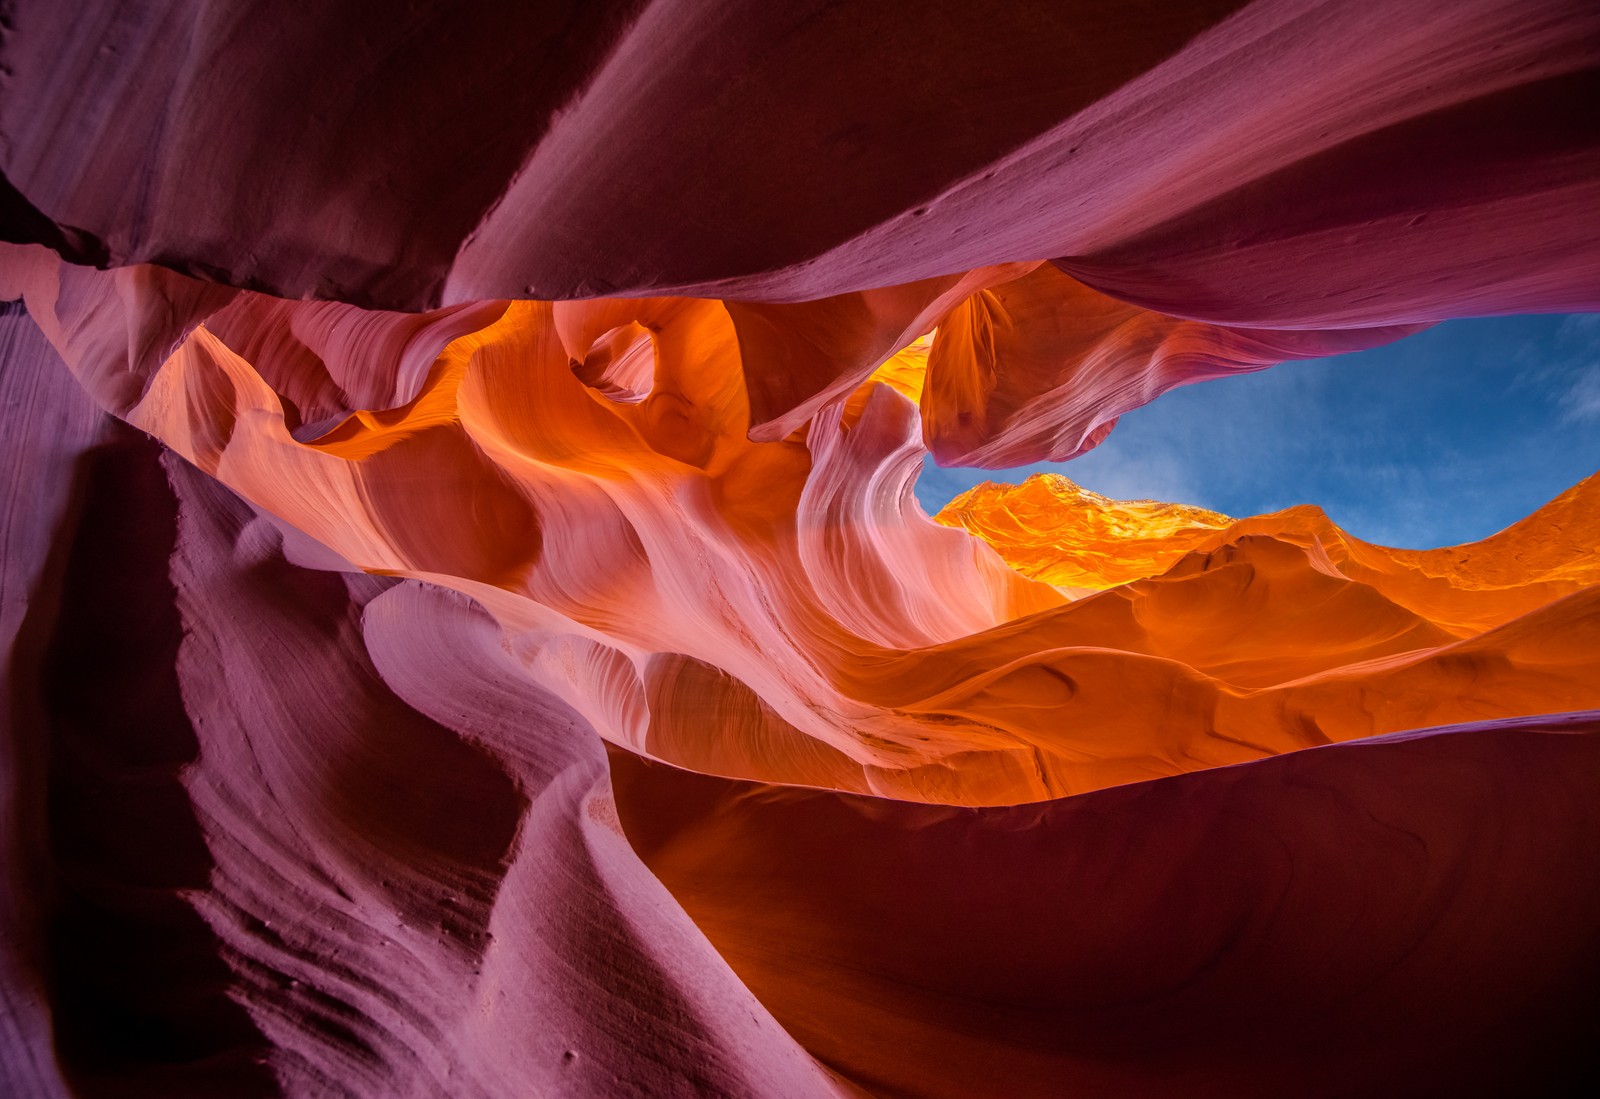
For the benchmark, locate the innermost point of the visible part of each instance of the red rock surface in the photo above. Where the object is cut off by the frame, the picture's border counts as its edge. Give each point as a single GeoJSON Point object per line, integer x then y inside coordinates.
{"type": "Point", "coordinates": [434, 668]}
{"type": "Point", "coordinates": [1297, 925]}
{"type": "Point", "coordinates": [1179, 155]}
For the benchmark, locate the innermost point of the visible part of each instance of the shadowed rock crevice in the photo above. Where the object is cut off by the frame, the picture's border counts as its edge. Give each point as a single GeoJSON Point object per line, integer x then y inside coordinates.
{"type": "Point", "coordinates": [140, 990]}
{"type": "Point", "coordinates": [313, 703]}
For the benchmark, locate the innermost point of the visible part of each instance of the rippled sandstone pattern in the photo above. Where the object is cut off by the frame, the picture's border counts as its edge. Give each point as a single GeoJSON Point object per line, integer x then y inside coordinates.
{"type": "Point", "coordinates": [430, 673]}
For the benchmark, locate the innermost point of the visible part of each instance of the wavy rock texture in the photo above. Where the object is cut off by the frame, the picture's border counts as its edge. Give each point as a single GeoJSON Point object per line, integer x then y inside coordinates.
{"type": "Point", "coordinates": [1178, 155]}
{"type": "Point", "coordinates": [1194, 935]}
{"type": "Point", "coordinates": [680, 569]}
{"type": "Point", "coordinates": [1054, 530]}
{"type": "Point", "coordinates": [466, 680]}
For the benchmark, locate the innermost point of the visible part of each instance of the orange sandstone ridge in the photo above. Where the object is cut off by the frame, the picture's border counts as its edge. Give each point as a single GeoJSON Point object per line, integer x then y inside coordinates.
{"type": "Point", "coordinates": [409, 572]}
{"type": "Point", "coordinates": [782, 610]}
{"type": "Point", "coordinates": [469, 631]}
{"type": "Point", "coordinates": [1051, 529]}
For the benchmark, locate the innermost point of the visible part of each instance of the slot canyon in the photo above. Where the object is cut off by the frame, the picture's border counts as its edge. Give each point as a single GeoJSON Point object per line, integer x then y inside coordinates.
{"type": "Point", "coordinates": [471, 630]}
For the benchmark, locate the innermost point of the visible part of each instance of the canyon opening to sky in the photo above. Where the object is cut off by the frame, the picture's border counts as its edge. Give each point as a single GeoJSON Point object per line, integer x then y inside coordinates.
{"type": "Point", "coordinates": [731, 548]}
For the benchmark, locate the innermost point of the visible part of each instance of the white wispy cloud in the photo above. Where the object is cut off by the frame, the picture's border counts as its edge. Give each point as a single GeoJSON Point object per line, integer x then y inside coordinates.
{"type": "Point", "coordinates": [1585, 326]}
{"type": "Point", "coordinates": [1581, 402]}
{"type": "Point", "coordinates": [1149, 473]}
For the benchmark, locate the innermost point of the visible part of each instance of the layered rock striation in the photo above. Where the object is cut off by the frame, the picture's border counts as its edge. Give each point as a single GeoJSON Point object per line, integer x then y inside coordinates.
{"type": "Point", "coordinates": [470, 631]}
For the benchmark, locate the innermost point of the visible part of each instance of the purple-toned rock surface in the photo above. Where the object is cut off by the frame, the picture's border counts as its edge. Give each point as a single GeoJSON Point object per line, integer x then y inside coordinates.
{"type": "Point", "coordinates": [1178, 155]}
{"type": "Point", "coordinates": [469, 631]}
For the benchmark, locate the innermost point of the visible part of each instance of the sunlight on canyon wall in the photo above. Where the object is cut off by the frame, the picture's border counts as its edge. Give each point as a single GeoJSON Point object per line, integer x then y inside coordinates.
{"type": "Point", "coordinates": [473, 634]}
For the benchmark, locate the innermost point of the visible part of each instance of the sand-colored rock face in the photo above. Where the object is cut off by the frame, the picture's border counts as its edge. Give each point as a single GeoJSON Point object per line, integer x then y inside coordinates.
{"type": "Point", "coordinates": [470, 631]}
{"type": "Point", "coordinates": [638, 572]}
{"type": "Point", "coordinates": [1054, 530]}
{"type": "Point", "coordinates": [782, 610]}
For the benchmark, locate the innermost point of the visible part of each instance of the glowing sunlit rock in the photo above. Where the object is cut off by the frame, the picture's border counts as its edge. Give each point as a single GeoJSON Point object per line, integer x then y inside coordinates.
{"type": "Point", "coordinates": [1053, 530]}
{"type": "Point", "coordinates": [782, 610]}
{"type": "Point", "coordinates": [470, 630]}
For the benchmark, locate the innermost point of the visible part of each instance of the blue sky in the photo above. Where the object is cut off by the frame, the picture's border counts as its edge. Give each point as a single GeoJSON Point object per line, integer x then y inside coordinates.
{"type": "Point", "coordinates": [1442, 438]}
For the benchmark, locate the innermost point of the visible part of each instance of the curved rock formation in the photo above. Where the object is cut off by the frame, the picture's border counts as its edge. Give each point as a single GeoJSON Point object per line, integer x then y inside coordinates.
{"type": "Point", "coordinates": [1178, 155]}
{"type": "Point", "coordinates": [1294, 925]}
{"type": "Point", "coordinates": [471, 632]}
{"type": "Point", "coordinates": [791, 589]}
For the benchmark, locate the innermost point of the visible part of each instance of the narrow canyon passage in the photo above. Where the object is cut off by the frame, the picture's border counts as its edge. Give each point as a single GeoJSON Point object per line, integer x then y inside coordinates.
{"type": "Point", "coordinates": [471, 629]}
